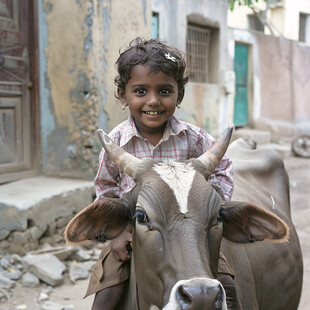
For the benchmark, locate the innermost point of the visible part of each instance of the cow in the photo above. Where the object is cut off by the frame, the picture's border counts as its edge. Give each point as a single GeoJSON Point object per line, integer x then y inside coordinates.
{"type": "Point", "coordinates": [181, 224]}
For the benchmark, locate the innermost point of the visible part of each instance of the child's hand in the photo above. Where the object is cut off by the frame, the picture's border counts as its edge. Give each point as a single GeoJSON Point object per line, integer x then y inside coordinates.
{"type": "Point", "coordinates": [119, 244]}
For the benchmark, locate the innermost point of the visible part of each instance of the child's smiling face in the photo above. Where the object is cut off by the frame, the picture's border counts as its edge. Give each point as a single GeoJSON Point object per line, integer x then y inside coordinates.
{"type": "Point", "coordinates": [152, 98]}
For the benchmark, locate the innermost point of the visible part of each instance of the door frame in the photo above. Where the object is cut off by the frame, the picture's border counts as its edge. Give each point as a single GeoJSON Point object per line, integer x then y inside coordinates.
{"type": "Point", "coordinates": [34, 100]}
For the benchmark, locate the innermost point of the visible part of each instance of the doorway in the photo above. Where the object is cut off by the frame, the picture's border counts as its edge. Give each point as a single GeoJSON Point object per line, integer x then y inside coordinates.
{"type": "Point", "coordinates": [241, 111]}
{"type": "Point", "coordinates": [19, 111]}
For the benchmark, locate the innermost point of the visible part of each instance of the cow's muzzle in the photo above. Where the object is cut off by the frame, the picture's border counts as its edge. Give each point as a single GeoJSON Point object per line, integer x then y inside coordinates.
{"type": "Point", "coordinates": [197, 294]}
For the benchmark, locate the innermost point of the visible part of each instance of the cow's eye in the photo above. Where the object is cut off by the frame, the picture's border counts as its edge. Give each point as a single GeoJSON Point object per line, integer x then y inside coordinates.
{"type": "Point", "coordinates": [141, 217]}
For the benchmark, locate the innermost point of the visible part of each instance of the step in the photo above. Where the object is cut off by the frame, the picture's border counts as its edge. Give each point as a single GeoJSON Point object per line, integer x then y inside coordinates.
{"type": "Point", "coordinates": [33, 208]}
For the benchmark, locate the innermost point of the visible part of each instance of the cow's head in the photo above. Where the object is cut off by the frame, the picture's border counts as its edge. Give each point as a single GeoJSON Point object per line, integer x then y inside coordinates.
{"type": "Point", "coordinates": [179, 220]}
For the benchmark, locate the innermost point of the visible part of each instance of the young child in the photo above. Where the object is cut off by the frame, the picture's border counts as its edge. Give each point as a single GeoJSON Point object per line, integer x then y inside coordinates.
{"type": "Point", "coordinates": [150, 81]}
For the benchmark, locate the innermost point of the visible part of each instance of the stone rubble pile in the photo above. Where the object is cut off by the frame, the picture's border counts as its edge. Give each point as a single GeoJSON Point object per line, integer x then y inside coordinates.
{"type": "Point", "coordinates": [48, 268]}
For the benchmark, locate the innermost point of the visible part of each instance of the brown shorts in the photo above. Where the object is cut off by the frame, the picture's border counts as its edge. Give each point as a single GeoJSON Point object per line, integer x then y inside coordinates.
{"type": "Point", "coordinates": [224, 267]}
{"type": "Point", "coordinates": [108, 271]}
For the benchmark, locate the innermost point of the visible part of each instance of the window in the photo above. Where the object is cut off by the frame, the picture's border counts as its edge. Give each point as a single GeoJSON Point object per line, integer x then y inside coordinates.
{"type": "Point", "coordinates": [155, 25]}
{"type": "Point", "coordinates": [255, 23]}
{"type": "Point", "coordinates": [197, 53]}
{"type": "Point", "coordinates": [304, 28]}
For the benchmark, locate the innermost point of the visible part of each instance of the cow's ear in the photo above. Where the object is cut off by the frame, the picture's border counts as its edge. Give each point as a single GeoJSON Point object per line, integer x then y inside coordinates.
{"type": "Point", "coordinates": [108, 217]}
{"type": "Point", "coordinates": [244, 222]}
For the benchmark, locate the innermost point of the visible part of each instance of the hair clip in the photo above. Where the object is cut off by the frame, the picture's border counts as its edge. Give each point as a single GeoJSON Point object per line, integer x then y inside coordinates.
{"type": "Point", "coordinates": [170, 57]}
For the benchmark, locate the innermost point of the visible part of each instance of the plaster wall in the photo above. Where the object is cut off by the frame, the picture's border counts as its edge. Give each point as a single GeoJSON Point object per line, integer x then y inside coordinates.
{"type": "Point", "coordinates": [285, 78]}
{"type": "Point", "coordinates": [301, 81]}
{"type": "Point", "coordinates": [276, 77]}
{"type": "Point", "coordinates": [79, 43]}
{"type": "Point", "coordinates": [292, 10]}
{"type": "Point", "coordinates": [279, 76]}
{"type": "Point", "coordinates": [207, 105]}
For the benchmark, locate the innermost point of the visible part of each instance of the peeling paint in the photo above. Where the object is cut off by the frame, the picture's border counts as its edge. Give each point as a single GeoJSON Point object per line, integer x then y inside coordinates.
{"type": "Point", "coordinates": [88, 43]}
{"type": "Point", "coordinates": [47, 113]}
{"type": "Point", "coordinates": [78, 56]}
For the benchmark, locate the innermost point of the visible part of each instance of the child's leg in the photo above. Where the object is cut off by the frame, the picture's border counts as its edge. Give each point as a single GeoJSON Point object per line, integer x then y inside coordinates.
{"type": "Point", "coordinates": [108, 298]}
{"type": "Point", "coordinates": [230, 288]}
{"type": "Point", "coordinates": [226, 277]}
{"type": "Point", "coordinates": [107, 280]}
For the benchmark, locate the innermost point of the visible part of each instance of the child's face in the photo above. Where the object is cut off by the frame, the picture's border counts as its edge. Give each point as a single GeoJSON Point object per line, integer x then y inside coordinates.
{"type": "Point", "coordinates": [151, 97]}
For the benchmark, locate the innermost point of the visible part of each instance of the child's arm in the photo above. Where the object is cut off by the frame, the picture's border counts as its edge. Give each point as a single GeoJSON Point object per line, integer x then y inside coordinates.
{"type": "Point", "coordinates": [107, 178]}
{"type": "Point", "coordinates": [222, 176]}
{"type": "Point", "coordinates": [107, 184]}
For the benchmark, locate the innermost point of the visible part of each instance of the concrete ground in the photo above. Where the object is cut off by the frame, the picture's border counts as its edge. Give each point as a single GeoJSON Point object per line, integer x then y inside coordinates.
{"type": "Point", "coordinates": [71, 294]}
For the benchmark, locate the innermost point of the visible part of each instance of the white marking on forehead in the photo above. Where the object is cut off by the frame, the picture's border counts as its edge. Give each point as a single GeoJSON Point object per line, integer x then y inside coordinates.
{"type": "Point", "coordinates": [179, 177]}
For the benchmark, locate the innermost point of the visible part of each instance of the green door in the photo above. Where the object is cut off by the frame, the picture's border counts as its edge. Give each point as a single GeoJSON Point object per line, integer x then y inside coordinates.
{"type": "Point", "coordinates": [241, 96]}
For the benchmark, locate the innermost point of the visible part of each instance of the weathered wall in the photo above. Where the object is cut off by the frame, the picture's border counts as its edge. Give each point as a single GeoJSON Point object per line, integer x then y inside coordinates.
{"type": "Point", "coordinates": [279, 76]}
{"type": "Point", "coordinates": [206, 105]}
{"type": "Point", "coordinates": [276, 78]}
{"type": "Point", "coordinates": [301, 81]}
{"type": "Point", "coordinates": [127, 21]}
{"type": "Point", "coordinates": [79, 43]}
{"type": "Point", "coordinates": [285, 78]}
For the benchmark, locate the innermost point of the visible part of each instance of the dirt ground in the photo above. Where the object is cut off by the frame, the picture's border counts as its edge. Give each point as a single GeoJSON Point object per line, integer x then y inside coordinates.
{"type": "Point", "coordinates": [71, 294]}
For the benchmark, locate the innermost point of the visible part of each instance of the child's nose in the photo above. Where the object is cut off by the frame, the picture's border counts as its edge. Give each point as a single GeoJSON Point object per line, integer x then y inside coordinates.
{"type": "Point", "coordinates": [152, 100]}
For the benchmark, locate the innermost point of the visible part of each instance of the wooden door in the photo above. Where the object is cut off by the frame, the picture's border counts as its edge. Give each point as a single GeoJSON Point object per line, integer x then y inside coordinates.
{"type": "Point", "coordinates": [241, 97]}
{"type": "Point", "coordinates": [17, 90]}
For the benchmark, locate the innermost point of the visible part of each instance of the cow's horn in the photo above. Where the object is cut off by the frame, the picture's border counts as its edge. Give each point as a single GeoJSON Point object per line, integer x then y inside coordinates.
{"type": "Point", "coordinates": [121, 158]}
{"type": "Point", "coordinates": [212, 157]}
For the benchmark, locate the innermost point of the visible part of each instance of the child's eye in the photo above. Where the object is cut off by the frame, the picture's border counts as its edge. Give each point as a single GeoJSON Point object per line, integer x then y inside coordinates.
{"type": "Point", "coordinates": [140, 91]}
{"type": "Point", "coordinates": [165, 92]}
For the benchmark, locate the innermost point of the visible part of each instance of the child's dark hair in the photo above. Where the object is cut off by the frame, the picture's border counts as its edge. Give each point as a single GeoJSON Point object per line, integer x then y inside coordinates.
{"type": "Point", "coordinates": [156, 55]}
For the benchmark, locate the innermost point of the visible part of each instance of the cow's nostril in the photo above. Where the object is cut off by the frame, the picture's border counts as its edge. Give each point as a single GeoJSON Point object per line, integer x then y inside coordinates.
{"type": "Point", "coordinates": [184, 294]}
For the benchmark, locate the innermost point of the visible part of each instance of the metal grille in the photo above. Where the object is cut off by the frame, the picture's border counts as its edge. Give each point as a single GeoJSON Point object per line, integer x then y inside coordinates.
{"type": "Point", "coordinates": [197, 53]}
{"type": "Point", "coordinates": [255, 23]}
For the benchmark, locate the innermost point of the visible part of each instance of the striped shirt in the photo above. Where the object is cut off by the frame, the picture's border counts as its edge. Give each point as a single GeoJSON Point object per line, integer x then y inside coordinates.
{"type": "Point", "coordinates": [180, 141]}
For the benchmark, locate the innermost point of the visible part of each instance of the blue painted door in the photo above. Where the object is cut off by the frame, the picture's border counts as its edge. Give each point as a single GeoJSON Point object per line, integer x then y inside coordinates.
{"type": "Point", "coordinates": [241, 96]}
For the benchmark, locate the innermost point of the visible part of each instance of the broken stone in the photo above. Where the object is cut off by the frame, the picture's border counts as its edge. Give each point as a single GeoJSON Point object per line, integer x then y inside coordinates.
{"type": "Point", "coordinates": [50, 305]}
{"type": "Point", "coordinates": [46, 267]}
{"type": "Point", "coordinates": [37, 232]}
{"type": "Point", "coordinates": [6, 283]}
{"type": "Point", "coordinates": [30, 280]}
{"type": "Point", "coordinates": [5, 263]}
{"type": "Point", "coordinates": [43, 296]}
{"type": "Point", "coordinates": [77, 272]}
{"type": "Point", "coordinates": [12, 274]}
{"type": "Point", "coordinates": [61, 252]}
{"type": "Point", "coordinates": [3, 234]}
{"type": "Point", "coordinates": [82, 255]}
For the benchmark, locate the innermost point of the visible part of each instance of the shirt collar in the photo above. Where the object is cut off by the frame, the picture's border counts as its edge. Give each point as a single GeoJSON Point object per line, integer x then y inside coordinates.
{"type": "Point", "coordinates": [173, 128]}
{"type": "Point", "coordinates": [130, 130]}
